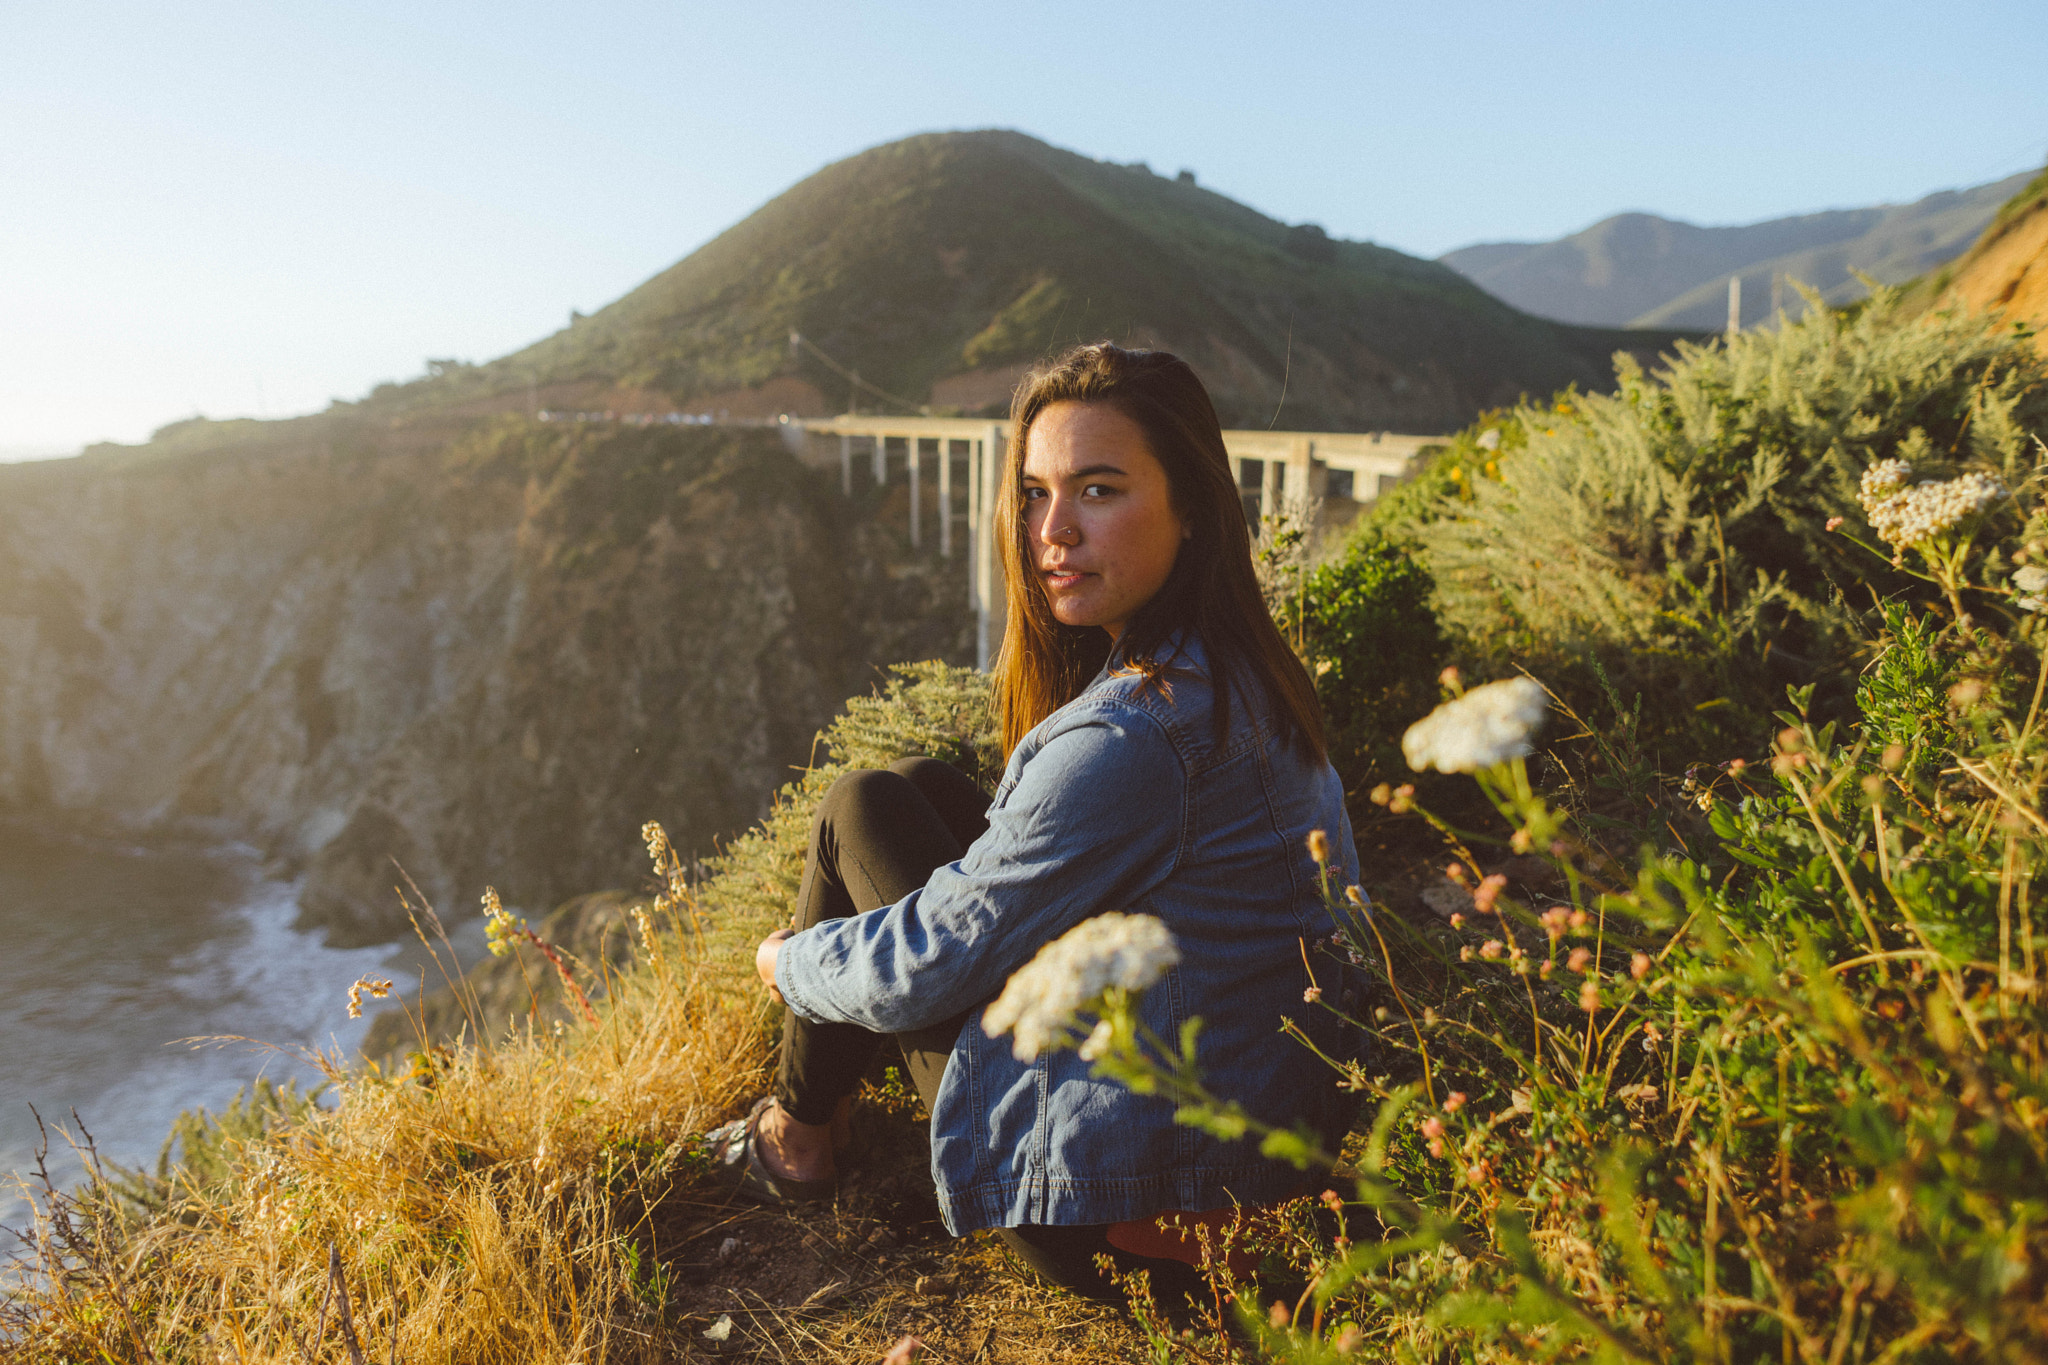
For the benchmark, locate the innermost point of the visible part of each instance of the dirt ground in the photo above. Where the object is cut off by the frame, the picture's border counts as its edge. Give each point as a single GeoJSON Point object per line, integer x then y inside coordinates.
{"type": "Point", "coordinates": [844, 1283]}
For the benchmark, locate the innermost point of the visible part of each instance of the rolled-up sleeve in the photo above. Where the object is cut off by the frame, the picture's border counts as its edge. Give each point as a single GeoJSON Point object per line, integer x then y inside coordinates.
{"type": "Point", "coordinates": [1095, 818]}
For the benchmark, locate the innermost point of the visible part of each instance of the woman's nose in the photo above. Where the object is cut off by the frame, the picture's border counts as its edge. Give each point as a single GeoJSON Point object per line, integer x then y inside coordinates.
{"type": "Point", "coordinates": [1056, 527]}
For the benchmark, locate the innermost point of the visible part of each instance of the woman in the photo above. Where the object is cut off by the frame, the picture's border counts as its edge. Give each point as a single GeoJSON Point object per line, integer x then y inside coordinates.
{"type": "Point", "coordinates": [1165, 756]}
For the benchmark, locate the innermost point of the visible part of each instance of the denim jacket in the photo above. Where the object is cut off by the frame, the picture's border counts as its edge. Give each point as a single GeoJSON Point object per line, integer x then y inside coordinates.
{"type": "Point", "coordinates": [1124, 799]}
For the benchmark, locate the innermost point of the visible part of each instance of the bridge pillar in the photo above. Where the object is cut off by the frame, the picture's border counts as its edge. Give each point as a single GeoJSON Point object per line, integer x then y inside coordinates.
{"type": "Point", "coordinates": [1301, 459]}
{"type": "Point", "coordinates": [913, 455]}
{"type": "Point", "coordinates": [946, 497]}
{"type": "Point", "coordinates": [881, 461]}
{"type": "Point", "coordinates": [846, 464]}
{"type": "Point", "coordinates": [991, 607]}
{"type": "Point", "coordinates": [977, 537]}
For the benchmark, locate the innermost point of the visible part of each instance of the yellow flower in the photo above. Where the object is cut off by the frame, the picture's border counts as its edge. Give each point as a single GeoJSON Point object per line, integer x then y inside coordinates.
{"type": "Point", "coordinates": [501, 926]}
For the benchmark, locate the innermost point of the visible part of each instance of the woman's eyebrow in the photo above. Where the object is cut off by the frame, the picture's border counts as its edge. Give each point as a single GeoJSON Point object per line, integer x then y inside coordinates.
{"type": "Point", "coordinates": [1087, 473]}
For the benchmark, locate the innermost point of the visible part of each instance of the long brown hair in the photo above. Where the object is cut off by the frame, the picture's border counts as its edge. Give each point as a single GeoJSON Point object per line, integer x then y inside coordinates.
{"type": "Point", "coordinates": [1044, 663]}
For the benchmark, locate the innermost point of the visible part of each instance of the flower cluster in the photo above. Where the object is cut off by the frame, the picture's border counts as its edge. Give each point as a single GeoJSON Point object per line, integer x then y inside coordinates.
{"type": "Point", "coordinates": [2032, 583]}
{"type": "Point", "coordinates": [1910, 516]}
{"type": "Point", "coordinates": [1487, 725]}
{"type": "Point", "coordinates": [1113, 951]}
{"type": "Point", "coordinates": [501, 926]}
{"type": "Point", "coordinates": [1883, 479]}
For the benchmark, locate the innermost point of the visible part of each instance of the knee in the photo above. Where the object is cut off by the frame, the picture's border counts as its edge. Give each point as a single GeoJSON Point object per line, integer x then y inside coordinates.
{"type": "Point", "coordinates": [857, 795]}
{"type": "Point", "coordinates": [918, 770]}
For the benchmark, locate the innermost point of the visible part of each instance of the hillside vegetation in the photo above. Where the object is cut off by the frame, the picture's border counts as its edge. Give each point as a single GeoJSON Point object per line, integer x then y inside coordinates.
{"type": "Point", "coordinates": [1710, 1013]}
{"type": "Point", "coordinates": [938, 266]}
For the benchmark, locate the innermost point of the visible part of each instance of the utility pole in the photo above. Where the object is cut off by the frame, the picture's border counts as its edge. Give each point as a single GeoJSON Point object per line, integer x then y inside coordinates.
{"type": "Point", "coordinates": [1734, 304]}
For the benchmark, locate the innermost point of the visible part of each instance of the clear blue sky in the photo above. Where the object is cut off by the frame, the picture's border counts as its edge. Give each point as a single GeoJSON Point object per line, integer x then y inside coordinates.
{"type": "Point", "coordinates": [246, 209]}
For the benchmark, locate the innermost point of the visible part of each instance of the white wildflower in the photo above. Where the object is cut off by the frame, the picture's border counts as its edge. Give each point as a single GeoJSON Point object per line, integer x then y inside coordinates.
{"type": "Point", "coordinates": [1487, 725]}
{"type": "Point", "coordinates": [1908, 516]}
{"type": "Point", "coordinates": [1096, 1045]}
{"type": "Point", "coordinates": [1072, 972]}
{"type": "Point", "coordinates": [2032, 582]}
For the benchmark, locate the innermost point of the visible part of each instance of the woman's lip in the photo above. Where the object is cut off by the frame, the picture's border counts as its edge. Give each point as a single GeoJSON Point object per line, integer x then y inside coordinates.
{"type": "Point", "coordinates": [1062, 578]}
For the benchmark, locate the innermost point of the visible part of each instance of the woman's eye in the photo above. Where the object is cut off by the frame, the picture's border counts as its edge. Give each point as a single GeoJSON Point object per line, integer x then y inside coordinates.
{"type": "Point", "coordinates": [1097, 490]}
{"type": "Point", "coordinates": [1034, 494]}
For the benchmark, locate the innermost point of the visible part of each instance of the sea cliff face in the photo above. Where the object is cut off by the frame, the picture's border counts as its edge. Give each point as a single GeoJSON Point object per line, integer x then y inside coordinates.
{"type": "Point", "coordinates": [484, 653]}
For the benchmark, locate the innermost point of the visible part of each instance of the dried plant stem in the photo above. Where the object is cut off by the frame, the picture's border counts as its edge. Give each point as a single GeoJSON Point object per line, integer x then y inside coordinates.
{"type": "Point", "coordinates": [348, 1324]}
{"type": "Point", "coordinates": [1827, 843]}
{"type": "Point", "coordinates": [2009, 866]}
{"type": "Point", "coordinates": [103, 1260]}
{"type": "Point", "coordinates": [547, 950]}
{"type": "Point", "coordinates": [1421, 1047]}
{"type": "Point", "coordinates": [1983, 774]}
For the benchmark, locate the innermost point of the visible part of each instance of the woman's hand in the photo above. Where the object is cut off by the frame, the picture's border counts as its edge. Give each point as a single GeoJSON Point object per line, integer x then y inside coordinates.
{"type": "Point", "coordinates": [764, 959]}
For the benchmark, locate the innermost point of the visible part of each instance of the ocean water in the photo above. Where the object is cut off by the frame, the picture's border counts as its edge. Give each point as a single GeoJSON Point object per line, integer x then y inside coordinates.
{"type": "Point", "coordinates": [114, 953]}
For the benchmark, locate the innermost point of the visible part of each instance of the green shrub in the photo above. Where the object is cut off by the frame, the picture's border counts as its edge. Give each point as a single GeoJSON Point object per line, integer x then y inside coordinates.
{"type": "Point", "coordinates": [1370, 637]}
{"type": "Point", "coordinates": [1903, 696]}
{"type": "Point", "coordinates": [1445, 475]}
{"type": "Point", "coordinates": [1784, 1098]}
{"type": "Point", "coordinates": [921, 708]}
{"type": "Point", "coordinates": [1676, 530]}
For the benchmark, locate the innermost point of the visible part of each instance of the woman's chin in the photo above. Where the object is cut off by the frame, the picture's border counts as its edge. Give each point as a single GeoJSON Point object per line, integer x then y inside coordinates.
{"type": "Point", "coordinates": [1076, 615]}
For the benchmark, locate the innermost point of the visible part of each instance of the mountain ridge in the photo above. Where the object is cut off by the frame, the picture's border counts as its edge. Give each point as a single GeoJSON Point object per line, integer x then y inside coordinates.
{"type": "Point", "coordinates": [1642, 270]}
{"type": "Point", "coordinates": [940, 266]}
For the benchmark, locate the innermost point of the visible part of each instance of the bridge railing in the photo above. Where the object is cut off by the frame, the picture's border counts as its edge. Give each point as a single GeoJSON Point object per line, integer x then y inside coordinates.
{"type": "Point", "coordinates": [967, 456]}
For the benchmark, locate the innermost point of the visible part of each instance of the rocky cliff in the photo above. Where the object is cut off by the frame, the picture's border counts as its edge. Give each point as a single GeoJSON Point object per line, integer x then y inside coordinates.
{"type": "Point", "coordinates": [487, 650]}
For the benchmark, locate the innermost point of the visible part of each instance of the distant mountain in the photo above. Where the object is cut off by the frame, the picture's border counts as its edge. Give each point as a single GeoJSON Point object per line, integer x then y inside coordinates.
{"type": "Point", "coordinates": [1639, 270]}
{"type": "Point", "coordinates": [940, 266]}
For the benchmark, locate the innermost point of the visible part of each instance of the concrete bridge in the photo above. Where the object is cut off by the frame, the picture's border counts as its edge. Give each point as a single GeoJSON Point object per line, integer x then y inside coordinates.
{"type": "Point", "coordinates": [959, 461]}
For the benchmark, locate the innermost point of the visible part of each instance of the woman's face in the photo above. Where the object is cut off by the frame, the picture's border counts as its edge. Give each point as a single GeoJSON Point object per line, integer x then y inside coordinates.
{"type": "Point", "coordinates": [1100, 526]}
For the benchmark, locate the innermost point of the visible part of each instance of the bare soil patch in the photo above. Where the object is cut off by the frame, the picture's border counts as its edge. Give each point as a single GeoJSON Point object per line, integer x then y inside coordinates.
{"type": "Point", "coordinates": [845, 1282]}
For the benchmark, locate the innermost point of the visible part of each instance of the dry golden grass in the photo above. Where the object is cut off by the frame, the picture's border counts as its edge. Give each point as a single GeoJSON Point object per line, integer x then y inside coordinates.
{"type": "Point", "coordinates": [494, 1205]}
{"type": "Point", "coordinates": [539, 1196]}
{"type": "Point", "coordinates": [536, 1198]}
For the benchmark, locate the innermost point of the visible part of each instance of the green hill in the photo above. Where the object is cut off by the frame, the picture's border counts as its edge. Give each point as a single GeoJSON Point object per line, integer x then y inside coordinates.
{"type": "Point", "coordinates": [938, 266]}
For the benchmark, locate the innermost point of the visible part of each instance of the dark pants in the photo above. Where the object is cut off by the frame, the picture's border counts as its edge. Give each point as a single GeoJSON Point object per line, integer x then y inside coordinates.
{"type": "Point", "coordinates": [879, 836]}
